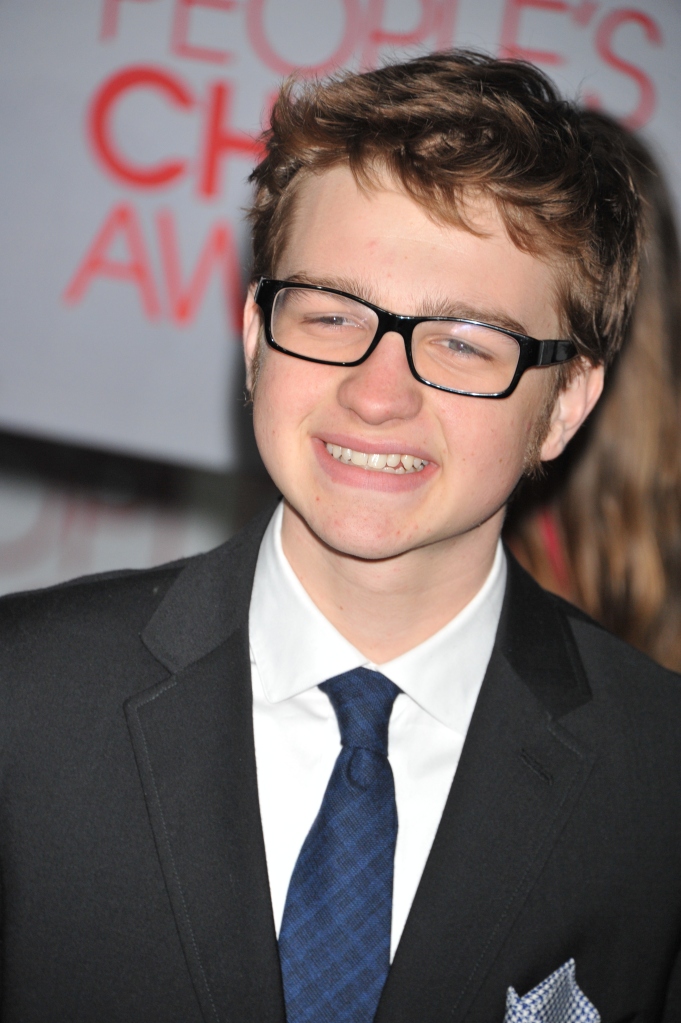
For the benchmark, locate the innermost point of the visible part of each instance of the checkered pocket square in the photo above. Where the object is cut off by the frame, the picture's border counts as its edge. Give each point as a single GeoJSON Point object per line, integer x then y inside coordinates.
{"type": "Point", "coordinates": [558, 999]}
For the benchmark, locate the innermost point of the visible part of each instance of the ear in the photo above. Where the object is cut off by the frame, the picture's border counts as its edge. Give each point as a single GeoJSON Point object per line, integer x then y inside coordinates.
{"type": "Point", "coordinates": [573, 405]}
{"type": "Point", "coordinates": [251, 333]}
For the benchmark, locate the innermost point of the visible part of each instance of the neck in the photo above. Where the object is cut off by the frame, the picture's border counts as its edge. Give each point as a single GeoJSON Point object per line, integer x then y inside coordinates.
{"type": "Point", "coordinates": [387, 607]}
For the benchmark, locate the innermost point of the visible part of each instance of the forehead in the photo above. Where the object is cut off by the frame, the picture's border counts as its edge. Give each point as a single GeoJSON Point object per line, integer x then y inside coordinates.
{"type": "Point", "coordinates": [397, 256]}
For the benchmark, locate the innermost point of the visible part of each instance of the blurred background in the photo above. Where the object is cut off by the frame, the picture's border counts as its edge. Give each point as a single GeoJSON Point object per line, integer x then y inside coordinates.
{"type": "Point", "coordinates": [128, 132]}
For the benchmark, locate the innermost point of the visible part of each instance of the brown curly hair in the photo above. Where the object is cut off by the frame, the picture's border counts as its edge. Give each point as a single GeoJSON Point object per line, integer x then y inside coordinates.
{"type": "Point", "coordinates": [455, 124]}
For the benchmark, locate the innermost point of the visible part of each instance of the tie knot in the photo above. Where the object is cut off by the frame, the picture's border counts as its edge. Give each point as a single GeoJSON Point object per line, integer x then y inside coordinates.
{"type": "Point", "coordinates": [363, 702]}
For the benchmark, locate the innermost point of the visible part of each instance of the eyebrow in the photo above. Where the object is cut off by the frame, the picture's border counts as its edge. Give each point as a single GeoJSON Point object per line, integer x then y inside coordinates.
{"type": "Point", "coordinates": [428, 307]}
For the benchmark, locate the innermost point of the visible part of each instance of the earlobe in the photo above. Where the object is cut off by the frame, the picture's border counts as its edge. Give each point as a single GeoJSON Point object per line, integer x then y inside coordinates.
{"type": "Point", "coordinates": [573, 405]}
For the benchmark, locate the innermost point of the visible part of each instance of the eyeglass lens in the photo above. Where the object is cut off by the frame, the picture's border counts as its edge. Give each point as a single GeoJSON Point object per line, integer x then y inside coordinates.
{"type": "Point", "coordinates": [459, 355]}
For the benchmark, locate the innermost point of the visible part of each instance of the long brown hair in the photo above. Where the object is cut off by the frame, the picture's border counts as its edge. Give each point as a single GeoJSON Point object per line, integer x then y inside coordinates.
{"type": "Point", "coordinates": [615, 498]}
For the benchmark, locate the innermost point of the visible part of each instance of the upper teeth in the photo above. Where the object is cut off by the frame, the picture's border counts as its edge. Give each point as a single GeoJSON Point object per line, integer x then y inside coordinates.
{"type": "Point", "coordinates": [381, 463]}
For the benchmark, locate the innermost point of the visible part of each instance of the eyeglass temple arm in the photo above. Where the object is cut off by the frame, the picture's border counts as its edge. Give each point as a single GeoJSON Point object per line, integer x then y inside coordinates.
{"type": "Point", "coordinates": [551, 352]}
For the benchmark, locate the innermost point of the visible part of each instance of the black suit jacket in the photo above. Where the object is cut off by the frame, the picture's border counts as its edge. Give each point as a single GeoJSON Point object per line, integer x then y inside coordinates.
{"type": "Point", "coordinates": [134, 881]}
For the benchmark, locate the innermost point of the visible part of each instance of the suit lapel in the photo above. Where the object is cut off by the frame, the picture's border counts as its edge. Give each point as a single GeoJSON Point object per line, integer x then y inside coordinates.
{"type": "Point", "coordinates": [519, 777]}
{"type": "Point", "coordinates": [193, 740]}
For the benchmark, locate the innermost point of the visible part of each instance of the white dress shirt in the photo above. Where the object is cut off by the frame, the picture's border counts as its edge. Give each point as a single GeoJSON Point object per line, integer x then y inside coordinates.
{"type": "Point", "coordinates": [293, 649]}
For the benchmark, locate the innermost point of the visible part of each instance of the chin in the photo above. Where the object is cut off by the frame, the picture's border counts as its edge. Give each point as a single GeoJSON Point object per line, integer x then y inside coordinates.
{"type": "Point", "coordinates": [364, 539]}
{"type": "Point", "coordinates": [364, 549]}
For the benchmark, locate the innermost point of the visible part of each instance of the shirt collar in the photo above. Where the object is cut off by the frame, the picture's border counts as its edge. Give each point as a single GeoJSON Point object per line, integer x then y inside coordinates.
{"type": "Point", "coordinates": [295, 647]}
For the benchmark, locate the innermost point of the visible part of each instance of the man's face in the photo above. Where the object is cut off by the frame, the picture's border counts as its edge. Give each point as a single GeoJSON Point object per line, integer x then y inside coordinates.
{"type": "Point", "coordinates": [382, 246]}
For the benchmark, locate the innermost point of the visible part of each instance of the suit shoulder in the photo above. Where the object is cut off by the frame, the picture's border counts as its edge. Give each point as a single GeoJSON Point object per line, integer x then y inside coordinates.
{"type": "Point", "coordinates": [608, 658]}
{"type": "Point", "coordinates": [127, 597]}
{"type": "Point", "coordinates": [81, 637]}
{"type": "Point", "coordinates": [82, 598]}
{"type": "Point", "coordinates": [609, 665]}
{"type": "Point", "coordinates": [73, 620]}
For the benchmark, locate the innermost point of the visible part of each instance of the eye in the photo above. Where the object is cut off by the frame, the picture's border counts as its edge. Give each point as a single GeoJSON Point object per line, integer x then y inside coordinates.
{"type": "Point", "coordinates": [451, 346]}
{"type": "Point", "coordinates": [332, 320]}
{"type": "Point", "coordinates": [464, 348]}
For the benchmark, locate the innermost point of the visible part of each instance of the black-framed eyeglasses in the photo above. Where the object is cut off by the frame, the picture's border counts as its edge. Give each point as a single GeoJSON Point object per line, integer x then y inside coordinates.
{"type": "Point", "coordinates": [332, 327]}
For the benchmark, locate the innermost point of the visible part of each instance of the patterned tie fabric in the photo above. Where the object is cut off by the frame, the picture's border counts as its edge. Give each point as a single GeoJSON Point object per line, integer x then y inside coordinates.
{"type": "Point", "coordinates": [334, 942]}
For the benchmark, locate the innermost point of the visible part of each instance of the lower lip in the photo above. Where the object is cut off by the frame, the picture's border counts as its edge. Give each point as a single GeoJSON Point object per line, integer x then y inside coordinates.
{"type": "Point", "coordinates": [370, 479]}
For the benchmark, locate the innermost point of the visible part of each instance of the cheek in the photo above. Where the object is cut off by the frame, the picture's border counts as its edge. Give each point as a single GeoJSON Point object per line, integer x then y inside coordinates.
{"type": "Point", "coordinates": [487, 441]}
{"type": "Point", "coordinates": [288, 392]}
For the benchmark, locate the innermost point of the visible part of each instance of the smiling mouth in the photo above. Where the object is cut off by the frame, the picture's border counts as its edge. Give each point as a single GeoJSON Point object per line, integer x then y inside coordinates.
{"type": "Point", "coordinates": [399, 464]}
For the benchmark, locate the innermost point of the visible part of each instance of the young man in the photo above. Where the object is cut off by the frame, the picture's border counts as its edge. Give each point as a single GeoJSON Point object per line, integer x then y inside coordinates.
{"type": "Point", "coordinates": [355, 764]}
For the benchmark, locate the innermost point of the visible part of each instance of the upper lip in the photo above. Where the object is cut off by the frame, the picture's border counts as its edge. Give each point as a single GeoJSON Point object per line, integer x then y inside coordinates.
{"type": "Point", "coordinates": [376, 447]}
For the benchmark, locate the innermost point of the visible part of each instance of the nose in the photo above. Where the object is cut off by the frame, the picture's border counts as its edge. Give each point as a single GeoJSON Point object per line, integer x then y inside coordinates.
{"type": "Point", "coordinates": [382, 388]}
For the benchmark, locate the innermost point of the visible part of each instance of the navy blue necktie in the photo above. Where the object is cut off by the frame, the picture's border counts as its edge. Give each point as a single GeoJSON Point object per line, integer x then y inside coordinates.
{"type": "Point", "coordinates": [334, 942]}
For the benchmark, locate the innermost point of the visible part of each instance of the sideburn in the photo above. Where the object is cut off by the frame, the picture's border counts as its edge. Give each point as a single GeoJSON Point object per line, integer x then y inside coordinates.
{"type": "Point", "coordinates": [256, 366]}
{"type": "Point", "coordinates": [534, 466]}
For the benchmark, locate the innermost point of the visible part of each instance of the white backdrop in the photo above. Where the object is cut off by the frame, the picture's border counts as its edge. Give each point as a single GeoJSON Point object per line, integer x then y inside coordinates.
{"type": "Point", "coordinates": [127, 135]}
